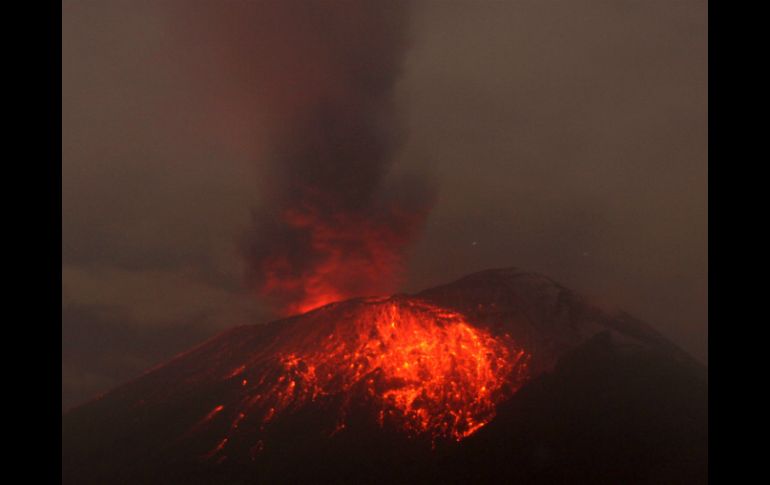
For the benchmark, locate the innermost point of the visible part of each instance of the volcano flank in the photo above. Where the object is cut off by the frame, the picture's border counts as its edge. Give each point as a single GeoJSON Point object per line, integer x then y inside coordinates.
{"type": "Point", "coordinates": [500, 376]}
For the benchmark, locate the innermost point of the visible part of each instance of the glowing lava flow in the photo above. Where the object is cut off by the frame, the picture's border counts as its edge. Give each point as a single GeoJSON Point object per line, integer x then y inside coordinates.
{"type": "Point", "coordinates": [413, 365]}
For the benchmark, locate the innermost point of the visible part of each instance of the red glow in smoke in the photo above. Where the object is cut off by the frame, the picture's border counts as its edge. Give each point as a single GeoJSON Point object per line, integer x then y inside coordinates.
{"type": "Point", "coordinates": [349, 254]}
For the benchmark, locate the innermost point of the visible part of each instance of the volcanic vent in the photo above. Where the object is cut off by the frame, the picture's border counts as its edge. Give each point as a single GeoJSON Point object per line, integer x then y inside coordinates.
{"type": "Point", "coordinates": [405, 389]}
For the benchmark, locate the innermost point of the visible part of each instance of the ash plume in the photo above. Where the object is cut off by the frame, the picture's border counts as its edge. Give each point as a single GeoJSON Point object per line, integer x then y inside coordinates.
{"type": "Point", "coordinates": [316, 82]}
{"type": "Point", "coordinates": [333, 229]}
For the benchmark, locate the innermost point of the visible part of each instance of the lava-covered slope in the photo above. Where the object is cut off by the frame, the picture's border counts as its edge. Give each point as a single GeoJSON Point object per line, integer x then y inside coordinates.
{"type": "Point", "coordinates": [499, 376]}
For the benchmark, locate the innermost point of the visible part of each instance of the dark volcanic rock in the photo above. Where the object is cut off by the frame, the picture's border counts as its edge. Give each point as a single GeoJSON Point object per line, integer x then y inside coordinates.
{"type": "Point", "coordinates": [547, 318]}
{"type": "Point", "coordinates": [609, 401]}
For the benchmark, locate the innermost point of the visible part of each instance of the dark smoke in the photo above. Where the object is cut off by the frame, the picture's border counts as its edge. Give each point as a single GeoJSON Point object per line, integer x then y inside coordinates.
{"type": "Point", "coordinates": [331, 229]}
{"type": "Point", "coordinates": [317, 80]}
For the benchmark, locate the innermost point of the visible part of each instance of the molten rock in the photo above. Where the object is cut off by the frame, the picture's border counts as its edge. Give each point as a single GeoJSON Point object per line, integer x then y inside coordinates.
{"type": "Point", "coordinates": [423, 369]}
{"type": "Point", "coordinates": [501, 377]}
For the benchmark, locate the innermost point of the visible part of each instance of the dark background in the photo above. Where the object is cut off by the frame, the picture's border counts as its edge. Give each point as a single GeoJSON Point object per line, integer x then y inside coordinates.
{"type": "Point", "coordinates": [567, 138]}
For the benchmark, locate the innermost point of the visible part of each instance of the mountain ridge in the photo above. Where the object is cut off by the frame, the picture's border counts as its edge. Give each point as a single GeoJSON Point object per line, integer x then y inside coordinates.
{"type": "Point", "coordinates": [172, 419]}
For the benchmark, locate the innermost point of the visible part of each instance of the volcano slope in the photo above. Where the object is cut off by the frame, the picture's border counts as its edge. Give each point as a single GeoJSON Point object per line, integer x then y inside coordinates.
{"type": "Point", "coordinates": [499, 377]}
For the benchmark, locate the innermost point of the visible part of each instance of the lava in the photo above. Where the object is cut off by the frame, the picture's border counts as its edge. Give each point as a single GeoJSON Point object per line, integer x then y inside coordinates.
{"type": "Point", "coordinates": [426, 368]}
{"type": "Point", "coordinates": [416, 367]}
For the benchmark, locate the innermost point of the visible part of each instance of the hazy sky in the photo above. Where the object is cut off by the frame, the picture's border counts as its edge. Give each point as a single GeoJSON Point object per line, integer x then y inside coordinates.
{"type": "Point", "coordinates": [562, 137]}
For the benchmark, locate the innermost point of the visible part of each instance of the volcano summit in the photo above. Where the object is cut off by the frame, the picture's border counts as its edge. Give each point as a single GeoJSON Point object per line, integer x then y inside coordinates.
{"type": "Point", "coordinates": [500, 376]}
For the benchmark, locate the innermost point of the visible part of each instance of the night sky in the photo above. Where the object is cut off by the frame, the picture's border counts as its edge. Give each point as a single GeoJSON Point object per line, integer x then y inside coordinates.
{"type": "Point", "coordinates": [567, 138]}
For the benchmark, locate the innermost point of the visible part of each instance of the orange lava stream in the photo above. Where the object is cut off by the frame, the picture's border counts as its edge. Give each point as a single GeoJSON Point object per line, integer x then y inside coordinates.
{"type": "Point", "coordinates": [422, 367]}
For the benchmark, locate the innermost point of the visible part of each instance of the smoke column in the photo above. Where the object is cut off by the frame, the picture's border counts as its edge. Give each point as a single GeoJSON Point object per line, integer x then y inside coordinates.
{"type": "Point", "coordinates": [320, 78]}
{"type": "Point", "coordinates": [333, 228]}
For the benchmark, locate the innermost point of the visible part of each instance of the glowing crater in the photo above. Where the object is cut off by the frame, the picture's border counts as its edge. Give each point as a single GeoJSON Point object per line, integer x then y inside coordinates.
{"type": "Point", "coordinates": [415, 366]}
{"type": "Point", "coordinates": [425, 367]}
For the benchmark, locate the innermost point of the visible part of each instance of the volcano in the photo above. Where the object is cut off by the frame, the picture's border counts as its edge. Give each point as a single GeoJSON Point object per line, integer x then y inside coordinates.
{"type": "Point", "coordinates": [499, 377]}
